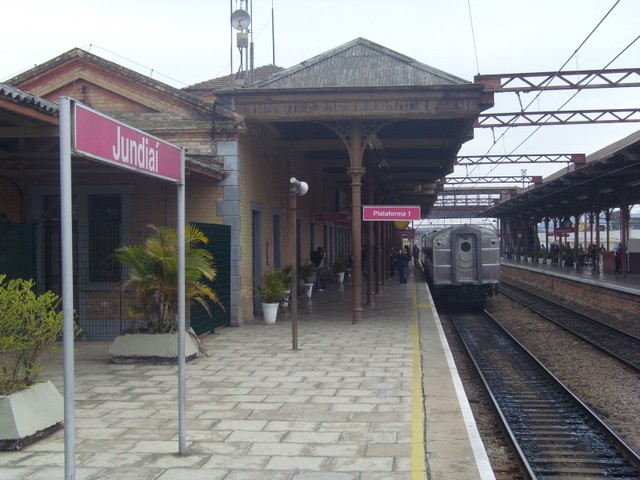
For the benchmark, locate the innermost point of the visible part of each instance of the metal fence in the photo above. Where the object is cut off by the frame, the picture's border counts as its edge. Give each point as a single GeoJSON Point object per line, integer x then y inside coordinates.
{"type": "Point", "coordinates": [101, 307]}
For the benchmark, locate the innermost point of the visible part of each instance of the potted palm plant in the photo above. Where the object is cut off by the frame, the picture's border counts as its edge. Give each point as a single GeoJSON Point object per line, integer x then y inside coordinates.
{"type": "Point", "coordinates": [153, 279]}
{"type": "Point", "coordinates": [286, 272]}
{"type": "Point", "coordinates": [306, 273]}
{"type": "Point", "coordinates": [29, 327]}
{"type": "Point", "coordinates": [340, 266]}
{"type": "Point", "coordinates": [271, 291]}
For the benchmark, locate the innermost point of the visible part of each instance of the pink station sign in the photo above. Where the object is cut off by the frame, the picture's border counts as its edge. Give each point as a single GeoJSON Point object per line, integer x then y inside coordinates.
{"type": "Point", "coordinates": [393, 213]}
{"type": "Point", "coordinates": [107, 140]}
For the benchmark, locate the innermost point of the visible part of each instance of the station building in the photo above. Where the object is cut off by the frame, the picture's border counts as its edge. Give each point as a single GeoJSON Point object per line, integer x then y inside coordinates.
{"type": "Point", "coordinates": [359, 123]}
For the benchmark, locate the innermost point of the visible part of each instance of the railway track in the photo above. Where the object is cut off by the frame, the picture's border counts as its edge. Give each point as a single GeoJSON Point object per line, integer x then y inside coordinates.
{"type": "Point", "coordinates": [621, 345]}
{"type": "Point", "coordinates": [555, 434]}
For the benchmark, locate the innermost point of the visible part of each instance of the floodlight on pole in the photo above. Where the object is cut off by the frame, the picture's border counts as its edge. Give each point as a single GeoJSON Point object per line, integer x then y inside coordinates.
{"type": "Point", "coordinates": [297, 188]}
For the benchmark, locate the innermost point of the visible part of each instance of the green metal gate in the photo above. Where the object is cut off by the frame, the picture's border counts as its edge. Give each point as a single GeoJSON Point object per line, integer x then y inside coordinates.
{"type": "Point", "coordinates": [220, 246]}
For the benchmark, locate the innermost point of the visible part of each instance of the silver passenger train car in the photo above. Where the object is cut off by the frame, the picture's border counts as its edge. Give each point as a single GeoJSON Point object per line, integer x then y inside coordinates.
{"type": "Point", "coordinates": [462, 263]}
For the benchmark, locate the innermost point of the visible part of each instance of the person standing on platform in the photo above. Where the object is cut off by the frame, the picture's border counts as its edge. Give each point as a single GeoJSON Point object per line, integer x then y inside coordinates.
{"type": "Point", "coordinates": [317, 257]}
{"type": "Point", "coordinates": [617, 259]}
{"type": "Point", "coordinates": [416, 254]}
{"type": "Point", "coordinates": [403, 265]}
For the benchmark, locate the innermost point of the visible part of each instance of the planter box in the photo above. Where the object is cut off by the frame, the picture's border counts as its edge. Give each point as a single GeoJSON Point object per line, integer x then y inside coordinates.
{"type": "Point", "coordinates": [151, 348]}
{"type": "Point", "coordinates": [30, 414]}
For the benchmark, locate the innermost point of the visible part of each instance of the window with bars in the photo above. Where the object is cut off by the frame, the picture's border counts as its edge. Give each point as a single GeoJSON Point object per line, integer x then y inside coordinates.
{"type": "Point", "coordinates": [105, 225]}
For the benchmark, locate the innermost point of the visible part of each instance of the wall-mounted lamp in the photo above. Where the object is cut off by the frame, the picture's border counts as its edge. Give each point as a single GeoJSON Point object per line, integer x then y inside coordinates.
{"type": "Point", "coordinates": [298, 187]}
{"type": "Point", "coordinates": [582, 197]}
{"type": "Point", "coordinates": [635, 183]}
{"type": "Point", "coordinates": [606, 190]}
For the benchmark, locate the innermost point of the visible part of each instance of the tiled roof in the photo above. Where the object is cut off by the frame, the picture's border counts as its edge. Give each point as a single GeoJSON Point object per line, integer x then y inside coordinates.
{"type": "Point", "coordinates": [259, 74]}
{"type": "Point", "coordinates": [28, 99]}
{"type": "Point", "coordinates": [206, 164]}
{"type": "Point", "coordinates": [359, 63]}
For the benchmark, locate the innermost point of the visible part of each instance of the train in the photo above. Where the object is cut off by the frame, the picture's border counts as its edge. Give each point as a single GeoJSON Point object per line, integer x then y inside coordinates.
{"type": "Point", "coordinates": [462, 264]}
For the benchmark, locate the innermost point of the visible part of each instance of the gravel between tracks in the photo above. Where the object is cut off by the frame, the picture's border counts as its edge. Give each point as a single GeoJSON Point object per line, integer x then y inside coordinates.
{"type": "Point", "coordinates": [611, 389]}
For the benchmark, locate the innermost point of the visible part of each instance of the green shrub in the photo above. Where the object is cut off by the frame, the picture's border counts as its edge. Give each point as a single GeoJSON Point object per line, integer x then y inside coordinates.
{"type": "Point", "coordinates": [29, 326]}
{"type": "Point", "coordinates": [306, 272]}
{"type": "Point", "coordinates": [272, 286]}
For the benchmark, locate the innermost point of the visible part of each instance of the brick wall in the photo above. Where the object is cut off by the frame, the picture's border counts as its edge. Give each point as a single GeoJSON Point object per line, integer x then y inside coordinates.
{"type": "Point", "coordinates": [264, 182]}
{"type": "Point", "coordinates": [622, 306]}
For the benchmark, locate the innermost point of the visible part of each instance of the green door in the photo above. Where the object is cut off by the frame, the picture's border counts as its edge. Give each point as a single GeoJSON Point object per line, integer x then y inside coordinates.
{"type": "Point", "coordinates": [220, 246]}
{"type": "Point", "coordinates": [18, 250]}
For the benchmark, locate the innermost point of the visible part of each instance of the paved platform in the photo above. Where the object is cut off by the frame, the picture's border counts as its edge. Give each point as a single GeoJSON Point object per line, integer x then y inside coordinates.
{"type": "Point", "coordinates": [380, 400]}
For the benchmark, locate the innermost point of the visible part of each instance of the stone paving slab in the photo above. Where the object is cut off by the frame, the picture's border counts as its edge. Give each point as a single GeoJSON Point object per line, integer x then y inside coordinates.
{"type": "Point", "coordinates": [338, 408]}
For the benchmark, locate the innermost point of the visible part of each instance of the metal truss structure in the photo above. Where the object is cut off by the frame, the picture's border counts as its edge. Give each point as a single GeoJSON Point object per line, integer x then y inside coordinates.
{"type": "Point", "coordinates": [562, 117]}
{"type": "Point", "coordinates": [569, 80]}
{"type": "Point", "coordinates": [521, 158]}
{"type": "Point", "coordinates": [460, 202]}
{"type": "Point", "coordinates": [493, 180]}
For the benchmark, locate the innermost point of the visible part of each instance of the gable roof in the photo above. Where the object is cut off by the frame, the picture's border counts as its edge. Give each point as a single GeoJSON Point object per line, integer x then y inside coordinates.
{"type": "Point", "coordinates": [359, 63]}
{"type": "Point", "coordinates": [31, 76]}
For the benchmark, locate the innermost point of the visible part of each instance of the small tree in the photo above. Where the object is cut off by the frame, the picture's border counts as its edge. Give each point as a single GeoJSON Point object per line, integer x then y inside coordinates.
{"type": "Point", "coordinates": [29, 326]}
{"type": "Point", "coordinates": [153, 275]}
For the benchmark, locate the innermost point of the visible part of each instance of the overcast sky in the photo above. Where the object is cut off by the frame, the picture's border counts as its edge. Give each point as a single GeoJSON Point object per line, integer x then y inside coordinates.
{"type": "Point", "coordinates": [188, 41]}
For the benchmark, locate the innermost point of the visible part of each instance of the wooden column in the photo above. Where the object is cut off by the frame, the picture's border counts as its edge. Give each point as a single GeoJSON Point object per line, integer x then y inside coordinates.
{"type": "Point", "coordinates": [356, 171]}
{"type": "Point", "coordinates": [356, 174]}
{"type": "Point", "coordinates": [576, 238]}
{"type": "Point", "coordinates": [355, 135]}
{"type": "Point", "coordinates": [598, 255]}
{"type": "Point", "coordinates": [371, 280]}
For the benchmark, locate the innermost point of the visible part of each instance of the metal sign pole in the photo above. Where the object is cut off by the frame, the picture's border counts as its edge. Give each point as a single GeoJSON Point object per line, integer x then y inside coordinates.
{"type": "Point", "coordinates": [181, 313]}
{"type": "Point", "coordinates": [66, 216]}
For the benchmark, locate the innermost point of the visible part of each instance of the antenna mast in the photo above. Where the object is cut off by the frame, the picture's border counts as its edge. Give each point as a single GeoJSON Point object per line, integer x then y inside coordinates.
{"type": "Point", "coordinates": [273, 36]}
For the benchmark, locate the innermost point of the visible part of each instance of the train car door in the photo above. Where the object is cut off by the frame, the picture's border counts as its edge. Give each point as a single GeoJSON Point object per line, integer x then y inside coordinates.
{"type": "Point", "coordinates": [466, 246]}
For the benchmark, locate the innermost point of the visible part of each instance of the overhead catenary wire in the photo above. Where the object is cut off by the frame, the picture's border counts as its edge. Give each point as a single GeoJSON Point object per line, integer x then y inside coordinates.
{"type": "Point", "coordinates": [575, 52]}
{"type": "Point", "coordinates": [473, 38]}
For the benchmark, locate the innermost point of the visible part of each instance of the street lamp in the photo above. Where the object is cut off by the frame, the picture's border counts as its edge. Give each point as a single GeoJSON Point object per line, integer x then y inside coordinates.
{"type": "Point", "coordinates": [297, 188]}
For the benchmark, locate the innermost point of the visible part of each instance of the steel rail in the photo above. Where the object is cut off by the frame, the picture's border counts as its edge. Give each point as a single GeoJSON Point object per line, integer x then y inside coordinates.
{"type": "Point", "coordinates": [621, 345]}
{"type": "Point", "coordinates": [532, 401]}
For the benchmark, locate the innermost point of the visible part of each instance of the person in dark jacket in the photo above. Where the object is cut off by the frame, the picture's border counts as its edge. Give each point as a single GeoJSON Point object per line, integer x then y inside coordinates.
{"type": "Point", "coordinates": [403, 265]}
{"type": "Point", "coordinates": [317, 257]}
{"type": "Point", "coordinates": [617, 259]}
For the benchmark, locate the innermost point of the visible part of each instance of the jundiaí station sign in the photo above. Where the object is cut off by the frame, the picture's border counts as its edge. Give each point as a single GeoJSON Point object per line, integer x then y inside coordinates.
{"type": "Point", "coordinates": [107, 140]}
{"type": "Point", "coordinates": [88, 133]}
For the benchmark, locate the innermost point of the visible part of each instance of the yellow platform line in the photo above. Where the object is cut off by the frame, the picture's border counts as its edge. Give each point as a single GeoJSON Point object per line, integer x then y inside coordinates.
{"type": "Point", "coordinates": [418, 466]}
